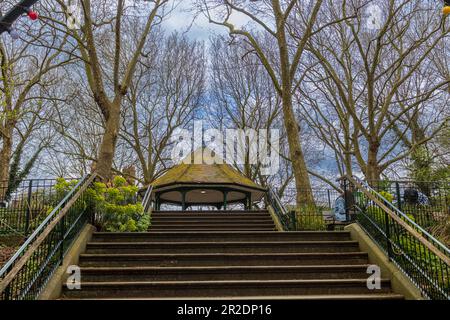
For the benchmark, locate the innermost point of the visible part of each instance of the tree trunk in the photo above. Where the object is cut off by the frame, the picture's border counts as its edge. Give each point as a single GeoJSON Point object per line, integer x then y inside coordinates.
{"type": "Point", "coordinates": [108, 146]}
{"type": "Point", "coordinates": [373, 170]}
{"type": "Point", "coordinates": [5, 160]}
{"type": "Point", "coordinates": [302, 183]}
{"type": "Point", "coordinates": [348, 163]}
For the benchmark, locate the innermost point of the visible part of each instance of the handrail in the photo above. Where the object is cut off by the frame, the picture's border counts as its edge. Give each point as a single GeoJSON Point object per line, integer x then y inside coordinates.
{"type": "Point", "coordinates": [146, 201]}
{"type": "Point", "coordinates": [278, 201]}
{"type": "Point", "coordinates": [30, 246]}
{"type": "Point", "coordinates": [421, 257]}
{"type": "Point", "coordinates": [279, 208]}
{"type": "Point", "coordinates": [434, 245]}
{"type": "Point", "coordinates": [414, 181]}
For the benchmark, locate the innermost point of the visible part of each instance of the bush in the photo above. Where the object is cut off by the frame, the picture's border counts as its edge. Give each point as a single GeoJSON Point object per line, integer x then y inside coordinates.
{"type": "Point", "coordinates": [378, 214]}
{"type": "Point", "coordinates": [388, 196]}
{"type": "Point", "coordinates": [116, 207]}
{"type": "Point", "coordinates": [442, 231]}
{"type": "Point", "coordinates": [310, 217]}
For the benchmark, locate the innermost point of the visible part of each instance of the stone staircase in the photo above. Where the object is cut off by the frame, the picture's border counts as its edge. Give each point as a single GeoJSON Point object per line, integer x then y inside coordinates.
{"type": "Point", "coordinates": [224, 255]}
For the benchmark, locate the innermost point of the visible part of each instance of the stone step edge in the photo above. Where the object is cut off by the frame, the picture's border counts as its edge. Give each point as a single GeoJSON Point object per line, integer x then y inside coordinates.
{"type": "Point", "coordinates": [315, 254]}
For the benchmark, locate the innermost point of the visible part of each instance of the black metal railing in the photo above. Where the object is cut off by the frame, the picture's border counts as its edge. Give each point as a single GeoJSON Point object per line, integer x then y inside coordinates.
{"type": "Point", "coordinates": [425, 202]}
{"type": "Point", "coordinates": [315, 216]}
{"type": "Point", "coordinates": [24, 206]}
{"type": "Point", "coordinates": [147, 200]}
{"type": "Point", "coordinates": [286, 219]}
{"type": "Point", "coordinates": [424, 259]}
{"type": "Point", "coordinates": [25, 275]}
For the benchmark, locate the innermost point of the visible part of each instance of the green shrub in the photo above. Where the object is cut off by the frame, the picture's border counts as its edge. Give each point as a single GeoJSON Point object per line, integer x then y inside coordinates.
{"type": "Point", "coordinates": [388, 196]}
{"type": "Point", "coordinates": [378, 214]}
{"type": "Point", "coordinates": [313, 222]}
{"type": "Point", "coordinates": [309, 217]}
{"type": "Point", "coordinates": [442, 231]}
{"type": "Point", "coordinates": [116, 207]}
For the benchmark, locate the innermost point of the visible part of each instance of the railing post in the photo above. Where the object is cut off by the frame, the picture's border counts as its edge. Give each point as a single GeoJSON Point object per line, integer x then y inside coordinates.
{"type": "Point", "coordinates": [293, 219]}
{"type": "Point", "coordinates": [91, 210]}
{"type": "Point", "coordinates": [388, 235]}
{"type": "Point", "coordinates": [7, 293]}
{"type": "Point", "coordinates": [329, 198]}
{"type": "Point", "coordinates": [345, 187]}
{"type": "Point", "coordinates": [399, 196]}
{"type": "Point", "coordinates": [28, 211]}
{"type": "Point", "coordinates": [63, 231]}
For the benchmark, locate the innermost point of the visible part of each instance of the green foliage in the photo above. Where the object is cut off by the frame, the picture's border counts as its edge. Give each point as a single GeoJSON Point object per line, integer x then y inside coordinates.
{"type": "Point", "coordinates": [309, 217]}
{"type": "Point", "coordinates": [117, 210]}
{"type": "Point", "coordinates": [17, 174]}
{"type": "Point", "coordinates": [115, 205]}
{"type": "Point", "coordinates": [442, 231]}
{"type": "Point", "coordinates": [388, 196]}
{"type": "Point", "coordinates": [314, 222]}
{"type": "Point", "coordinates": [378, 214]}
{"type": "Point", "coordinates": [425, 168]}
{"type": "Point", "coordinates": [63, 187]}
{"type": "Point", "coordinates": [423, 258]}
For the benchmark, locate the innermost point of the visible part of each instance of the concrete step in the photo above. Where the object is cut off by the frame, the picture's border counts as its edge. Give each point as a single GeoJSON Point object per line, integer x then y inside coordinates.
{"type": "Point", "coordinates": [218, 236]}
{"type": "Point", "coordinates": [223, 247]}
{"type": "Point", "coordinates": [351, 297]}
{"type": "Point", "coordinates": [212, 212]}
{"type": "Point", "coordinates": [223, 229]}
{"type": "Point", "coordinates": [229, 259]}
{"type": "Point", "coordinates": [196, 220]}
{"type": "Point", "coordinates": [132, 274]}
{"type": "Point", "coordinates": [224, 288]}
{"type": "Point", "coordinates": [212, 215]}
{"type": "Point", "coordinates": [213, 226]}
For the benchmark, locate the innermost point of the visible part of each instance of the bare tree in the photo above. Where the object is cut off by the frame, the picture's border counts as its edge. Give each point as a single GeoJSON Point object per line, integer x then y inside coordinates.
{"type": "Point", "coordinates": [28, 69]}
{"type": "Point", "coordinates": [110, 61]}
{"type": "Point", "coordinates": [372, 80]}
{"type": "Point", "coordinates": [164, 95]}
{"type": "Point", "coordinates": [269, 20]}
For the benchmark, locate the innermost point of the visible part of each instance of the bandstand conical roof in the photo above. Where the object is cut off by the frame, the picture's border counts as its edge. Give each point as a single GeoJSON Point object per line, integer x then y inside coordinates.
{"type": "Point", "coordinates": [218, 175]}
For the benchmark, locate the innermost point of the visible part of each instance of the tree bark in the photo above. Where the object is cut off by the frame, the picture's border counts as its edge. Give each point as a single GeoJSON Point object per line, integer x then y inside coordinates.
{"type": "Point", "coordinates": [108, 145]}
{"type": "Point", "coordinates": [5, 160]}
{"type": "Point", "coordinates": [373, 170]}
{"type": "Point", "coordinates": [302, 182]}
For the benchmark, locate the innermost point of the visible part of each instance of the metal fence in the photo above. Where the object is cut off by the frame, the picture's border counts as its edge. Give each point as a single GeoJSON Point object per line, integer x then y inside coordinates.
{"type": "Point", "coordinates": [323, 198]}
{"type": "Point", "coordinates": [22, 209]}
{"type": "Point", "coordinates": [317, 215]}
{"type": "Point", "coordinates": [422, 257]}
{"type": "Point", "coordinates": [427, 203]}
{"type": "Point", "coordinates": [25, 275]}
